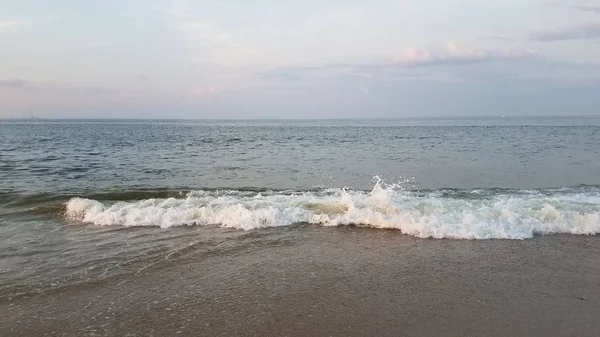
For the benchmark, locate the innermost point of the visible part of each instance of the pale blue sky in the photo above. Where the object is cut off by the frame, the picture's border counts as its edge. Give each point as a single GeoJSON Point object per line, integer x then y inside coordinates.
{"type": "Point", "coordinates": [294, 59]}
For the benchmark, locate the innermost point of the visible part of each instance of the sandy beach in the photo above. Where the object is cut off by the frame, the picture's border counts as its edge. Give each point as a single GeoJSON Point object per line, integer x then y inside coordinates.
{"type": "Point", "coordinates": [348, 281]}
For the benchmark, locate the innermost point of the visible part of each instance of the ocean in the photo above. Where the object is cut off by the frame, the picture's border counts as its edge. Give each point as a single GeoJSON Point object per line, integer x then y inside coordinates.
{"type": "Point", "coordinates": [428, 226]}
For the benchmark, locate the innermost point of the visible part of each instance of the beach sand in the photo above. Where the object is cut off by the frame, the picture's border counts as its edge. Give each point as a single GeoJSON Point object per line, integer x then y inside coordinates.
{"type": "Point", "coordinates": [345, 281]}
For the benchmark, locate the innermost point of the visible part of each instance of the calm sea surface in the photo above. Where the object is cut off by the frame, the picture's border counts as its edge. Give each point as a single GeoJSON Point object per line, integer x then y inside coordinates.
{"type": "Point", "coordinates": [86, 202]}
{"type": "Point", "coordinates": [125, 156]}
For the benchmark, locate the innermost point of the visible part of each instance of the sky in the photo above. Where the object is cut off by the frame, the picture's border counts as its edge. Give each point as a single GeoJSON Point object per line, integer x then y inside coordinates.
{"type": "Point", "coordinates": [298, 59]}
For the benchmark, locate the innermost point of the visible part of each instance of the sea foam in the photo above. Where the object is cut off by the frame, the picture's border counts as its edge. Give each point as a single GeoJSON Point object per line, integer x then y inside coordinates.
{"type": "Point", "coordinates": [465, 215]}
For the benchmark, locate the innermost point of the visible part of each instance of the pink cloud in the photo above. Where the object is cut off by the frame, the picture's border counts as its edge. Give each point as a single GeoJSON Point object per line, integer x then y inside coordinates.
{"type": "Point", "coordinates": [452, 53]}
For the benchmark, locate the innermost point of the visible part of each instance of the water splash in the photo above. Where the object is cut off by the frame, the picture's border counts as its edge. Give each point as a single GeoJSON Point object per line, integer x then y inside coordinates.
{"type": "Point", "coordinates": [472, 214]}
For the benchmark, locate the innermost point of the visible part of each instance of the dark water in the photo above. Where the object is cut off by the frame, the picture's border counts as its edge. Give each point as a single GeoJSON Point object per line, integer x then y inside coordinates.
{"type": "Point", "coordinates": [278, 226]}
{"type": "Point", "coordinates": [122, 156]}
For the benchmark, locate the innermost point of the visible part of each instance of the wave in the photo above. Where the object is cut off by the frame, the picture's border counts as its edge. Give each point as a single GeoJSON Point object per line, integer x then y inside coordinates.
{"type": "Point", "coordinates": [475, 214]}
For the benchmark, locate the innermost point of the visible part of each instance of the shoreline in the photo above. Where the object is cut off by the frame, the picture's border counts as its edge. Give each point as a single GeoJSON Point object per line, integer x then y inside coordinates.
{"type": "Point", "coordinates": [346, 281]}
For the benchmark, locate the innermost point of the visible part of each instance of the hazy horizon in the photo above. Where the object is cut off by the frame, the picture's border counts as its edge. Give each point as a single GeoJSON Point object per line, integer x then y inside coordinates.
{"type": "Point", "coordinates": [234, 59]}
{"type": "Point", "coordinates": [307, 119]}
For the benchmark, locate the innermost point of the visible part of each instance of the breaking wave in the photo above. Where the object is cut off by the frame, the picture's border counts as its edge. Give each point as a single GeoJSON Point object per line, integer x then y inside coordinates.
{"type": "Point", "coordinates": [473, 214]}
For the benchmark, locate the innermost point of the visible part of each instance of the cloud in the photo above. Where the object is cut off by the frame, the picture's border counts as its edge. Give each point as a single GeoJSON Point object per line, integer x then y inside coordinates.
{"type": "Point", "coordinates": [214, 43]}
{"type": "Point", "coordinates": [203, 31]}
{"type": "Point", "coordinates": [583, 5]}
{"type": "Point", "coordinates": [588, 8]}
{"type": "Point", "coordinates": [585, 31]}
{"type": "Point", "coordinates": [11, 24]}
{"type": "Point", "coordinates": [453, 54]}
{"type": "Point", "coordinates": [15, 83]}
{"type": "Point", "coordinates": [503, 38]}
{"type": "Point", "coordinates": [437, 66]}
{"type": "Point", "coordinates": [205, 91]}
{"type": "Point", "coordinates": [410, 60]}
{"type": "Point", "coordinates": [22, 86]}
{"type": "Point", "coordinates": [282, 75]}
{"type": "Point", "coordinates": [472, 69]}
{"type": "Point", "coordinates": [39, 97]}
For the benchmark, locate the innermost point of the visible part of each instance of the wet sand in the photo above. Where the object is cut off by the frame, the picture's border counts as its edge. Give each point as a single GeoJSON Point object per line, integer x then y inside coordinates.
{"type": "Point", "coordinates": [349, 281]}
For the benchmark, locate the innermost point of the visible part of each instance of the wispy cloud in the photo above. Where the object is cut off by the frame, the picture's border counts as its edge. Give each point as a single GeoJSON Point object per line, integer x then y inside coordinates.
{"type": "Point", "coordinates": [194, 27]}
{"type": "Point", "coordinates": [205, 91]}
{"type": "Point", "coordinates": [14, 83]}
{"type": "Point", "coordinates": [451, 63]}
{"type": "Point", "coordinates": [216, 43]}
{"type": "Point", "coordinates": [595, 8]}
{"type": "Point", "coordinates": [21, 85]}
{"type": "Point", "coordinates": [282, 75]}
{"type": "Point", "coordinates": [581, 31]}
{"type": "Point", "coordinates": [503, 38]}
{"type": "Point", "coordinates": [583, 5]}
{"type": "Point", "coordinates": [585, 31]}
{"type": "Point", "coordinates": [453, 54]}
{"type": "Point", "coordinates": [413, 58]}
{"type": "Point", "coordinates": [12, 24]}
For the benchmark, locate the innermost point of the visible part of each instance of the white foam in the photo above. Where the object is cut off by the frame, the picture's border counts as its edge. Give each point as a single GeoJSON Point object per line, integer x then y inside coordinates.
{"type": "Point", "coordinates": [435, 215]}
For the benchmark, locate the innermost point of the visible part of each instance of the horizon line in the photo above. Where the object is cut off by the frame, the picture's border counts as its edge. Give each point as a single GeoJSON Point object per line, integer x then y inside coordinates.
{"type": "Point", "coordinates": [34, 118]}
